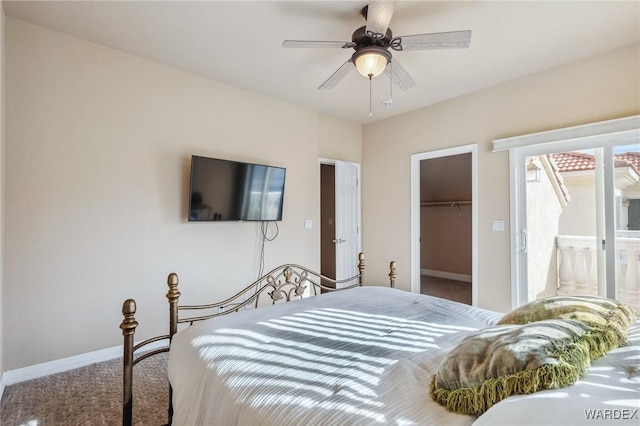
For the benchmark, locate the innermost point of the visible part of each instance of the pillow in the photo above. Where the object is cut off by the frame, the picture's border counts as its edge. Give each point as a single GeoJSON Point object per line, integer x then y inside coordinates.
{"type": "Point", "coordinates": [591, 310]}
{"type": "Point", "coordinates": [496, 362]}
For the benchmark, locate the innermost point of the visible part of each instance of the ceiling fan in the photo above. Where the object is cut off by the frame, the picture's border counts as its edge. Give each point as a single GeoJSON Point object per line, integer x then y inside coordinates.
{"type": "Point", "coordinates": [372, 42]}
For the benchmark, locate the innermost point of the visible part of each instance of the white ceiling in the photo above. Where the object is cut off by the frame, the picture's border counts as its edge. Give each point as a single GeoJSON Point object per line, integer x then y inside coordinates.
{"type": "Point", "coordinates": [239, 43]}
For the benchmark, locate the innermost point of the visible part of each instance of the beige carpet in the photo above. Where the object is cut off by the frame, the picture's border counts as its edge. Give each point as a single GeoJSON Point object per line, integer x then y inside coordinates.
{"type": "Point", "coordinates": [89, 395]}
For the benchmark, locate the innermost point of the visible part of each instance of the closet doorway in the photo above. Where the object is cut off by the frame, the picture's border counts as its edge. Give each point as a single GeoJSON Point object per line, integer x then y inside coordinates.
{"type": "Point", "coordinates": [444, 217]}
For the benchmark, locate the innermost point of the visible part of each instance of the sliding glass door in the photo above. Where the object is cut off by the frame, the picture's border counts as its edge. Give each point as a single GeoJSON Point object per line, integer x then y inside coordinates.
{"type": "Point", "coordinates": [574, 216]}
{"type": "Point", "coordinates": [564, 198]}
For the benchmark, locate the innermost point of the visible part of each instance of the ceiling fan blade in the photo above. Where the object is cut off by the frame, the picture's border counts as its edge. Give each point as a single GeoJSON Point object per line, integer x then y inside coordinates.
{"type": "Point", "coordinates": [313, 43]}
{"type": "Point", "coordinates": [337, 76]}
{"type": "Point", "coordinates": [433, 41]}
{"type": "Point", "coordinates": [379, 13]}
{"type": "Point", "coordinates": [399, 75]}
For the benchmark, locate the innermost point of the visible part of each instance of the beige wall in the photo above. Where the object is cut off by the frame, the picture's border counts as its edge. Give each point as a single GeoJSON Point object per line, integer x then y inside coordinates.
{"type": "Point", "coordinates": [97, 163]}
{"type": "Point", "coordinates": [446, 239]}
{"type": "Point", "coordinates": [595, 89]}
{"type": "Point", "coordinates": [579, 217]}
{"type": "Point", "coordinates": [339, 139]}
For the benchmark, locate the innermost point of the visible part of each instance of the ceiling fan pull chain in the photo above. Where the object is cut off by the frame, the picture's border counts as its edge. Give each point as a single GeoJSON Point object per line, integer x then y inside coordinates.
{"type": "Point", "coordinates": [391, 81]}
{"type": "Point", "coordinates": [370, 110]}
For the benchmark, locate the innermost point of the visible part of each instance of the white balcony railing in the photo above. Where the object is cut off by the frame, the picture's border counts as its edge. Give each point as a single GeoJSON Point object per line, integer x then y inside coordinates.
{"type": "Point", "coordinates": [577, 270]}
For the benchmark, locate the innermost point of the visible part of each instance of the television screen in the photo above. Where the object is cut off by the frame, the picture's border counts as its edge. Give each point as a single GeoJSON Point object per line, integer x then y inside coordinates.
{"type": "Point", "coordinates": [230, 190]}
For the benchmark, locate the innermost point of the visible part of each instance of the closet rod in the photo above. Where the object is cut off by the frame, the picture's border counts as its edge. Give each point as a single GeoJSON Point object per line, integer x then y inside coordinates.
{"type": "Point", "coordinates": [444, 203]}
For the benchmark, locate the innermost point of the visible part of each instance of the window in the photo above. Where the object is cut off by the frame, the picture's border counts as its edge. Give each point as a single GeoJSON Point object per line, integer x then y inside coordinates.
{"type": "Point", "coordinates": [633, 213]}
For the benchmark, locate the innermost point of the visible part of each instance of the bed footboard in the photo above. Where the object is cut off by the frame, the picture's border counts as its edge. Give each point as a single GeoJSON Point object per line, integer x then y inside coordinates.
{"type": "Point", "coordinates": [128, 327]}
{"type": "Point", "coordinates": [282, 284]}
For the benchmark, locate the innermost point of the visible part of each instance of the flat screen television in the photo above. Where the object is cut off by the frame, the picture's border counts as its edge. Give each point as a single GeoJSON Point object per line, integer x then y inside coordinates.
{"type": "Point", "coordinates": [224, 190]}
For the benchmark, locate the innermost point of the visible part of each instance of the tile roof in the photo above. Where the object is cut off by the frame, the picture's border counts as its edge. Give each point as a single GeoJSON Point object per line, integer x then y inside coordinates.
{"type": "Point", "coordinates": [576, 161]}
{"type": "Point", "coordinates": [631, 158]}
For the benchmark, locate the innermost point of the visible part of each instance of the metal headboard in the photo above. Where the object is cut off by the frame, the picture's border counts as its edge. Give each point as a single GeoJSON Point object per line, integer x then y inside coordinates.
{"type": "Point", "coordinates": [282, 284]}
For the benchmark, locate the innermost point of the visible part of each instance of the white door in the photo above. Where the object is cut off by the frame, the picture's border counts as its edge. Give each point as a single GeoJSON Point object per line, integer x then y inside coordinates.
{"type": "Point", "coordinates": [347, 237]}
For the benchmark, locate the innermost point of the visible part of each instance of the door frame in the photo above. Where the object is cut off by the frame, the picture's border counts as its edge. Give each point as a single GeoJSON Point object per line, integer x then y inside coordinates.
{"type": "Point", "coordinates": [332, 162]}
{"type": "Point", "coordinates": [415, 213]}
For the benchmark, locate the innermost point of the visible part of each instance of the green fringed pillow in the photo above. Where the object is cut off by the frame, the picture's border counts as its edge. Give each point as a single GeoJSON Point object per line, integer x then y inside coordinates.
{"type": "Point", "coordinates": [591, 310]}
{"type": "Point", "coordinates": [504, 360]}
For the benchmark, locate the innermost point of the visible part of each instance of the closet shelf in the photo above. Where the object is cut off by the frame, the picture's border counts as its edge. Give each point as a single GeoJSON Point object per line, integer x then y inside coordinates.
{"type": "Point", "coordinates": [445, 203]}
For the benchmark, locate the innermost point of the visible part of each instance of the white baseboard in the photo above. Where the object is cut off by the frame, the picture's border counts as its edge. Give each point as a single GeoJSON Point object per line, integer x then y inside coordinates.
{"type": "Point", "coordinates": [36, 371]}
{"type": "Point", "coordinates": [447, 275]}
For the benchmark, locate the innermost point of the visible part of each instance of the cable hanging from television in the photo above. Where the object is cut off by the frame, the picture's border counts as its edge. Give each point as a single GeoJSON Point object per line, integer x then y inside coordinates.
{"type": "Point", "coordinates": [264, 229]}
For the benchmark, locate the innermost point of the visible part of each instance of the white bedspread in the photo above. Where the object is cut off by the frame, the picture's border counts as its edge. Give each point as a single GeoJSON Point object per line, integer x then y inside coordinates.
{"type": "Point", "coordinates": [361, 356]}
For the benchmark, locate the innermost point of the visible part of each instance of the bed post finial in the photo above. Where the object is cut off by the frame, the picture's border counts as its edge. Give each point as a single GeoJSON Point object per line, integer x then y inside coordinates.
{"type": "Point", "coordinates": [129, 322]}
{"type": "Point", "coordinates": [172, 296]}
{"type": "Point", "coordinates": [392, 274]}
{"type": "Point", "coordinates": [361, 268]}
{"type": "Point", "coordinates": [128, 327]}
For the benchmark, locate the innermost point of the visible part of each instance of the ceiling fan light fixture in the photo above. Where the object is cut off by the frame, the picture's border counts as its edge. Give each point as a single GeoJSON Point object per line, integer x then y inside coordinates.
{"type": "Point", "coordinates": [371, 61]}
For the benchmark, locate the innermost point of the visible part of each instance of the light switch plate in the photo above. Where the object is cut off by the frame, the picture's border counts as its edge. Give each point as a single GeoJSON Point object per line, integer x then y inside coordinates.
{"type": "Point", "coordinates": [498, 225]}
{"type": "Point", "coordinates": [308, 224]}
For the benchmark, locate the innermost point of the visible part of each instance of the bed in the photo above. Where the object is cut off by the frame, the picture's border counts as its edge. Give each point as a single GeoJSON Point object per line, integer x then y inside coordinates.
{"type": "Point", "coordinates": [361, 355]}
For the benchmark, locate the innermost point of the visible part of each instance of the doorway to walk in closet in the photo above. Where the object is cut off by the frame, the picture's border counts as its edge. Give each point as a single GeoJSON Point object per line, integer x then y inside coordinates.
{"type": "Point", "coordinates": [444, 219]}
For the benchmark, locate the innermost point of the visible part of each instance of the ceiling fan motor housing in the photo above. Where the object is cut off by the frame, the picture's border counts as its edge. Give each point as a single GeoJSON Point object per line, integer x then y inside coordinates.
{"type": "Point", "coordinates": [361, 39]}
